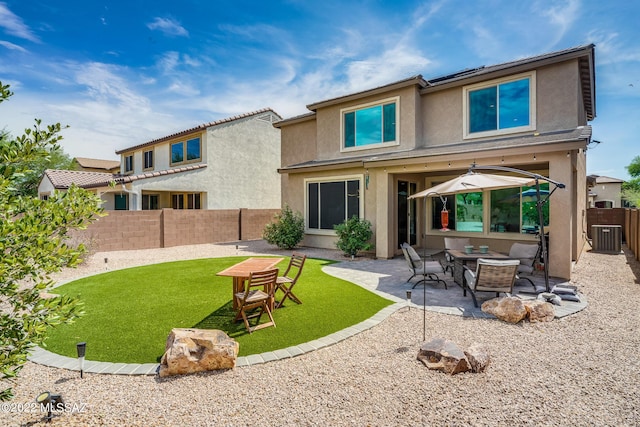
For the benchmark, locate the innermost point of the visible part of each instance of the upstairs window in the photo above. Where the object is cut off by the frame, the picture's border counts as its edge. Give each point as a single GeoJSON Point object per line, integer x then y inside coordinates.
{"type": "Point", "coordinates": [370, 125]}
{"type": "Point", "coordinates": [177, 152]}
{"type": "Point", "coordinates": [500, 107]}
{"type": "Point", "coordinates": [128, 163]}
{"type": "Point", "coordinates": [148, 159]}
{"type": "Point", "coordinates": [186, 151]}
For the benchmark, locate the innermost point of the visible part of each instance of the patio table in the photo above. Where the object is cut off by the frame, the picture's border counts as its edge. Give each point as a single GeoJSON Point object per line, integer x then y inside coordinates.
{"type": "Point", "coordinates": [241, 271]}
{"type": "Point", "coordinates": [460, 258]}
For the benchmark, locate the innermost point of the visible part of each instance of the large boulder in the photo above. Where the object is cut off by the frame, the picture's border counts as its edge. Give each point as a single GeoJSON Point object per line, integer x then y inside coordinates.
{"type": "Point", "coordinates": [443, 355]}
{"type": "Point", "coordinates": [197, 350]}
{"type": "Point", "coordinates": [509, 309]}
{"type": "Point", "coordinates": [539, 311]}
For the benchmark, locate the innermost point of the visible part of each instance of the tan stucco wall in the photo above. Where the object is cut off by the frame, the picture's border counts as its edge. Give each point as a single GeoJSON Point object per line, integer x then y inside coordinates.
{"type": "Point", "coordinates": [608, 192]}
{"type": "Point", "coordinates": [328, 119]}
{"type": "Point", "coordinates": [557, 93]}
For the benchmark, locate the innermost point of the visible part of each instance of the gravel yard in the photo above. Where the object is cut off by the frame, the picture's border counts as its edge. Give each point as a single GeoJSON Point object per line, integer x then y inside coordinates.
{"type": "Point", "coordinates": [582, 370]}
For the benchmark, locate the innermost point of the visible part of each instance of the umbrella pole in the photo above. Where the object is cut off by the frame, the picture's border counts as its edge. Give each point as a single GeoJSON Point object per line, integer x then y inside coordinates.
{"type": "Point", "coordinates": [424, 273]}
{"type": "Point", "coordinates": [543, 240]}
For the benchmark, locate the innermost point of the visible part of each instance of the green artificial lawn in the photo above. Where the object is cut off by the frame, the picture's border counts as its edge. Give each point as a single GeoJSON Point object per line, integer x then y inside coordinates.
{"type": "Point", "coordinates": [130, 312]}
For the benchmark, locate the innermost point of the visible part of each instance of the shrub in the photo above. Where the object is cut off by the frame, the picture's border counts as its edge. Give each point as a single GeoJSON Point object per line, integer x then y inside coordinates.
{"type": "Point", "coordinates": [353, 236]}
{"type": "Point", "coordinates": [286, 231]}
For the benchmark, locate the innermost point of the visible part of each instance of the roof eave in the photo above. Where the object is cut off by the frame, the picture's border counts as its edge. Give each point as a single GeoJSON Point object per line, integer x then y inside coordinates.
{"type": "Point", "coordinates": [411, 81]}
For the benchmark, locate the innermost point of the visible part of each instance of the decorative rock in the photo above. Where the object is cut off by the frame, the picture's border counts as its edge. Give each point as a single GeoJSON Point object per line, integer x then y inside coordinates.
{"type": "Point", "coordinates": [509, 309]}
{"type": "Point", "coordinates": [539, 311]}
{"type": "Point", "coordinates": [478, 357]}
{"type": "Point", "coordinates": [197, 350]}
{"type": "Point", "coordinates": [443, 355]}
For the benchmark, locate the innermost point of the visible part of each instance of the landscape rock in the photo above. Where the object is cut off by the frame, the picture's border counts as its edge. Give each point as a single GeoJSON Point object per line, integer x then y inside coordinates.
{"type": "Point", "coordinates": [443, 355]}
{"type": "Point", "coordinates": [539, 311]}
{"type": "Point", "coordinates": [509, 309]}
{"type": "Point", "coordinates": [478, 357]}
{"type": "Point", "coordinates": [196, 350]}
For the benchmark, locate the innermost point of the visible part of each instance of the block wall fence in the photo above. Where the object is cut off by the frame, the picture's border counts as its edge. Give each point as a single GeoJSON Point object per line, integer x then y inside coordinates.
{"type": "Point", "coordinates": [125, 230]}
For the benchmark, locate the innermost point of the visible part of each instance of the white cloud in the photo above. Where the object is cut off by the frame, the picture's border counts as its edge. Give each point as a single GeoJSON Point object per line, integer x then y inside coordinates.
{"type": "Point", "coordinates": [562, 15]}
{"type": "Point", "coordinates": [14, 25]}
{"type": "Point", "coordinates": [12, 46]}
{"type": "Point", "coordinates": [168, 26]}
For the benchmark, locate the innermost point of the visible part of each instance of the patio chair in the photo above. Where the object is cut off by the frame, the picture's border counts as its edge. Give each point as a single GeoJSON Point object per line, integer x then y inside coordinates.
{"type": "Point", "coordinates": [429, 270]}
{"type": "Point", "coordinates": [491, 275]}
{"type": "Point", "coordinates": [527, 254]}
{"type": "Point", "coordinates": [287, 281]}
{"type": "Point", "coordinates": [456, 244]}
{"type": "Point", "coordinates": [256, 296]}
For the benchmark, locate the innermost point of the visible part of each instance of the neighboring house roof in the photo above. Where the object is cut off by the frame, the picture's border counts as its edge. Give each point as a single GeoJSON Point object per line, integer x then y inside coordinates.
{"type": "Point", "coordinates": [532, 140]}
{"type": "Point", "coordinates": [97, 163]}
{"type": "Point", "coordinates": [585, 54]}
{"type": "Point", "coordinates": [200, 128]}
{"type": "Point", "coordinates": [608, 180]}
{"type": "Point", "coordinates": [62, 179]}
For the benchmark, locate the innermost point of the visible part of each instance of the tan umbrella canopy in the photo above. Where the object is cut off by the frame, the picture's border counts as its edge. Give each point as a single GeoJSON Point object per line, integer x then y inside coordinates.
{"type": "Point", "coordinates": [474, 181]}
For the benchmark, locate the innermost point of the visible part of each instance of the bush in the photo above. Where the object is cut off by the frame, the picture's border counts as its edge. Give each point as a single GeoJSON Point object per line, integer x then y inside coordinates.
{"type": "Point", "coordinates": [287, 230]}
{"type": "Point", "coordinates": [353, 236]}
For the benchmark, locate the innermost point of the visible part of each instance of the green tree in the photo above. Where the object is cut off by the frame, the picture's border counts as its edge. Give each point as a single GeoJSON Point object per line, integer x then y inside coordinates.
{"type": "Point", "coordinates": [34, 243]}
{"type": "Point", "coordinates": [631, 188]}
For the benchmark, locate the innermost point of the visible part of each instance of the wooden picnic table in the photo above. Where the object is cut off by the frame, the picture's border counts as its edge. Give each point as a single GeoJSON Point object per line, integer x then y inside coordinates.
{"type": "Point", "coordinates": [241, 271]}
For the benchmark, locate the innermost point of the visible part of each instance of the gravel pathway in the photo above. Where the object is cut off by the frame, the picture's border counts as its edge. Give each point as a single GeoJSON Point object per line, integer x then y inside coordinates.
{"type": "Point", "coordinates": [581, 370]}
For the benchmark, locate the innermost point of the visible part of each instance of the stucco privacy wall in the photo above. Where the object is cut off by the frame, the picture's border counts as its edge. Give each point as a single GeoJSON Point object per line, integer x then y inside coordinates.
{"type": "Point", "coordinates": [129, 230]}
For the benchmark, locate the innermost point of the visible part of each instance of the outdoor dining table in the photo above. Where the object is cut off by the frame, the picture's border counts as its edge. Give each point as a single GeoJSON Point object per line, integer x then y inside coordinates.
{"type": "Point", "coordinates": [241, 271]}
{"type": "Point", "coordinates": [460, 258]}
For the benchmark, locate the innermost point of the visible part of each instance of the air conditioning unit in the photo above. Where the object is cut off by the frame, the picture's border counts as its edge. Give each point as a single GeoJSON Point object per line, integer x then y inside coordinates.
{"type": "Point", "coordinates": [607, 238]}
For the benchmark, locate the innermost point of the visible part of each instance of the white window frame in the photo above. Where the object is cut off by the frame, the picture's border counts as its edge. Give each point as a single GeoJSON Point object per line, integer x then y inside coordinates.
{"type": "Point", "coordinates": [345, 178]}
{"type": "Point", "coordinates": [343, 111]}
{"type": "Point", "coordinates": [532, 106]}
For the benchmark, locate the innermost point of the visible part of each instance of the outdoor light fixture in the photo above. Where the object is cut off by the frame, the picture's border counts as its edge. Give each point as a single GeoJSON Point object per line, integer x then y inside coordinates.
{"type": "Point", "coordinates": [82, 349]}
{"type": "Point", "coordinates": [50, 402]}
{"type": "Point", "coordinates": [409, 300]}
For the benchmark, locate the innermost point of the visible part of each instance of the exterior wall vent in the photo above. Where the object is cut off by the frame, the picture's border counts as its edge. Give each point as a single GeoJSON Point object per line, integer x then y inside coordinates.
{"type": "Point", "coordinates": [607, 238]}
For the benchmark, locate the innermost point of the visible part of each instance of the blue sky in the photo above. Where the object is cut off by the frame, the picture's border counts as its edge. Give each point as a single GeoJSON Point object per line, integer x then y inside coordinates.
{"type": "Point", "coordinates": [122, 73]}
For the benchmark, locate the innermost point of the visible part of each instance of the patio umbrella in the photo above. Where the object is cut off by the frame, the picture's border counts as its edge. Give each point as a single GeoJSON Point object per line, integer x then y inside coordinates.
{"type": "Point", "coordinates": [474, 181]}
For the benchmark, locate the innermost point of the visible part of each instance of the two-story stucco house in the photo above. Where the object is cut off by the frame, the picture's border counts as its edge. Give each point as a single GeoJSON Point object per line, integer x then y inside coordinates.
{"type": "Point", "coordinates": [604, 191]}
{"type": "Point", "coordinates": [364, 153]}
{"type": "Point", "coordinates": [226, 164]}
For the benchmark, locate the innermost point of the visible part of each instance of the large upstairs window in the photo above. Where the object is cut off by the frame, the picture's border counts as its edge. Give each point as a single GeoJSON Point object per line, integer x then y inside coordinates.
{"type": "Point", "coordinates": [186, 151]}
{"type": "Point", "coordinates": [500, 107]}
{"type": "Point", "coordinates": [370, 125]}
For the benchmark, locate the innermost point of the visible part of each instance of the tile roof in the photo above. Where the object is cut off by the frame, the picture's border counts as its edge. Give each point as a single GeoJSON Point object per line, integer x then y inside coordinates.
{"type": "Point", "coordinates": [86, 162]}
{"type": "Point", "coordinates": [599, 179]}
{"type": "Point", "coordinates": [62, 179]}
{"type": "Point", "coordinates": [200, 128]}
